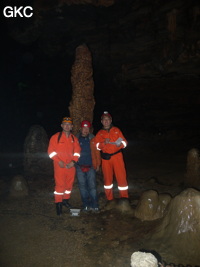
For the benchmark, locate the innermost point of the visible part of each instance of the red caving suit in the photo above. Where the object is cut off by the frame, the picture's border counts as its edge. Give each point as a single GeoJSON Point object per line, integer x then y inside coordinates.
{"type": "Point", "coordinates": [115, 165]}
{"type": "Point", "coordinates": [65, 149]}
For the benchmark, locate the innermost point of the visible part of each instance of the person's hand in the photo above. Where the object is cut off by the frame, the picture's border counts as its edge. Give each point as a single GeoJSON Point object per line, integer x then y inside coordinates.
{"type": "Point", "coordinates": [107, 140]}
{"type": "Point", "coordinates": [118, 144]}
{"type": "Point", "coordinates": [70, 165]}
{"type": "Point", "coordinates": [61, 164]}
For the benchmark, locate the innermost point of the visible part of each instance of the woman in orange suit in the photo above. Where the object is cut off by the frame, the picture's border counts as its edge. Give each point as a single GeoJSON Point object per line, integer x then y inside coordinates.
{"type": "Point", "coordinates": [64, 150]}
{"type": "Point", "coordinates": [110, 141]}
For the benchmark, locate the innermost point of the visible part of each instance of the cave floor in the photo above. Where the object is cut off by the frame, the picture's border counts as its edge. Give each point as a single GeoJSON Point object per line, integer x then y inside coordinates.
{"type": "Point", "coordinates": [33, 235]}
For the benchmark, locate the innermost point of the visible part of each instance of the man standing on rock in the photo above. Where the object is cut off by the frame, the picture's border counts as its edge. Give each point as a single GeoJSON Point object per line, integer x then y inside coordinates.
{"type": "Point", "coordinates": [111, 141]}
{"type": "Point", "coordinates": [64, 150]}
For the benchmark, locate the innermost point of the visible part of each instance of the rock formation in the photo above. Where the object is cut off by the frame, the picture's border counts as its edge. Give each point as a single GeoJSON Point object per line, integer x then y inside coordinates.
{"type": "Point", "coordinates": [82, 103]}
{"type": "Point", "coordinates": [145, 57]}
{"type": "Point", "coordinates": [36, 160]}
{"type": "Point", "coordinates": [177, 236]}
{"type": "Point", "coordinates": [143, 259]}
{"type": "Point", "coordinates": [18, 187]}
{"type": "Point", "coordinates": [122, 205]}
{"type": "Point", "coordinates": [151, 206]}
{"type": "Point", "coordinates": [192, 177]}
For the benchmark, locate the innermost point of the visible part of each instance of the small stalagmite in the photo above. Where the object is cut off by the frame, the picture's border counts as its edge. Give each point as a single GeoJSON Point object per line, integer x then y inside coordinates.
{"type": "Point", "coordinates": [124, 206]}
{"type": "Point", "coordinates": [18, 187]}
{"type": "Point", "coordinates": [82, 102]}
{"type": "Point", "coordinates": [177, 237]}
{"type": "Point", "coordinates": [192, 177]}
{"type": "Point", "coordinates": [151, 206]}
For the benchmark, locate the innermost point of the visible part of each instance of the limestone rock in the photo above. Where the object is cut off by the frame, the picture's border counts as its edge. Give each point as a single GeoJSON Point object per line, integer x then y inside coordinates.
{"type": "Point", "coordinates": [192, 177]}
{"type": "Point", "coordinates": [121, 204]}
{"type": "Point", "coordinates": [178, 233]}
{"type": "Point", "coordinates": [151, 206]}
{"type": "Point", "coordinates": [82, 103]}
{"type": "Point", "coordinates": [124, 206]}
{"type": "Point", "coordinates": [19, 187]}
{"type": "Point", "coordinates": [143, 259]}
{"type": "Point", "coordinates": [36, 160]}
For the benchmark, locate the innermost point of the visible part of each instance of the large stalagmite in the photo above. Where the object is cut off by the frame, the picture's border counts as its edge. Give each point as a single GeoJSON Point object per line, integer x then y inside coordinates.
{"type": "Point", "coordinates": [82, 102]}
{"type": "Point", "coordinates": [177, 236]}
{"type": "Point", "coordinates": [36, 160]}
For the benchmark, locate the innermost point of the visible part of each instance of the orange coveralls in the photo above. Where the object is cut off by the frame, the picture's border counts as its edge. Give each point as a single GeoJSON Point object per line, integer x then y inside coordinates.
{"type": "Point", "coordinates": [96, 157]}
{"type": "Point", "coordinates": [115, 165]}
{"type": "Point", "coordinates": [66, 150]}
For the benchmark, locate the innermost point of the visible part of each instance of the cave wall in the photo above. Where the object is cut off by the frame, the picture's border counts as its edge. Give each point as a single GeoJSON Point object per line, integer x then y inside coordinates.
{"type": "Point", "coordinates": [146, 57]}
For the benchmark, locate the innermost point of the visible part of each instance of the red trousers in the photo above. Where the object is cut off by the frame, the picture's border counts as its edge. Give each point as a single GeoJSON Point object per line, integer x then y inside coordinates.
{"type": "Point", "coordinates": [115, 166]}
{"type": "Point", "coordinates": [64, 180]}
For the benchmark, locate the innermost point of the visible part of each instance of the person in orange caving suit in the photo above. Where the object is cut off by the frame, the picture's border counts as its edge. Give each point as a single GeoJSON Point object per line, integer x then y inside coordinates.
{"type": "Point", "coordinates": [64, 150]}
{"type": "Point", "coordinates": [110, 141]}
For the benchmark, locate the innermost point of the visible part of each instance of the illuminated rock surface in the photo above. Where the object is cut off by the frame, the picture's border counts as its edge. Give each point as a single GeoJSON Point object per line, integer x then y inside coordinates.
{"type": "Point", "coordinates": [178, 233]}
{"type": "Point", "coordinates": [82, 102]}
{"type": "Point", "coordinates": [151, 206]}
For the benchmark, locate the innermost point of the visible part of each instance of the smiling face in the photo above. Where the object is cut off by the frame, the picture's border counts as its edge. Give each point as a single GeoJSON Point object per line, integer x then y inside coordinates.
{"type": "Point", "coordinates": [67, 127]}
{"type": "Point", "coordinates": [106, 121]}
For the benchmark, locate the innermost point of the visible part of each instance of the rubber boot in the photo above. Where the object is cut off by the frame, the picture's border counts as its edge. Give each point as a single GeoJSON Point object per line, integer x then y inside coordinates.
{"type": "Point", "coordinates": [66, 203]}
{"type": "Point", "coordinates": [59, 208]}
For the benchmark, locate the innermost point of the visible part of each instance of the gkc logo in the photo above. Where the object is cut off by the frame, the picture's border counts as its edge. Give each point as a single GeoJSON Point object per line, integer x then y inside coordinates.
{"type": "Point", "coordinates": [13, 12]}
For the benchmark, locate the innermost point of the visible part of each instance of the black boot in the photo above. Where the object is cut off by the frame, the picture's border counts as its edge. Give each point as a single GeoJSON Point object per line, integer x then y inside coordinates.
{"type": "Point", "coordinates": [66, 203]}
{"type": "Point", "coordinates": [59, 208]}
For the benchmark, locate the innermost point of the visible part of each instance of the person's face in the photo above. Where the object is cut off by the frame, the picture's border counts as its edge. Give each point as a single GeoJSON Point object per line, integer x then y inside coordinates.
{"type": "Point", "coordinates": [85, 131]}
{"type": "Point", "coordinates": [106, 121]}
{"type": "Point", "coordinates": [67, 127]}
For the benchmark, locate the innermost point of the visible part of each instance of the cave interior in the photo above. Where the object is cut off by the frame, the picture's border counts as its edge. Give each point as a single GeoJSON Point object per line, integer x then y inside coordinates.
{"type": "Point", "coordinates": [145, 58]}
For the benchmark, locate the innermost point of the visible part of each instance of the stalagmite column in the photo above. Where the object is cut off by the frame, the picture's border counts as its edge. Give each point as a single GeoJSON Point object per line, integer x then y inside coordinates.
{"type": "Point", "coordinates": [172, 24]}
{"type": "Point", "coordinates": [82, 102]}
{"type": "Point", "coordinates": [192, 177]}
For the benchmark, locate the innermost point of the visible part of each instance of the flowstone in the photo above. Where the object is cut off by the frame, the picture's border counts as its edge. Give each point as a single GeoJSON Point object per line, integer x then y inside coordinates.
{"type": "Point", "coordinates": [177, 236]}
{"type": "Point", "coordinates": [151, 206]}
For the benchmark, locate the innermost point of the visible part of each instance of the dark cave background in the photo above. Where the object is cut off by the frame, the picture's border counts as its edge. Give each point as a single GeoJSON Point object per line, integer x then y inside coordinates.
{"type": "Point", "coordinates": [146, 63]}
{"type": "Point", "coordinates": [146, 70]}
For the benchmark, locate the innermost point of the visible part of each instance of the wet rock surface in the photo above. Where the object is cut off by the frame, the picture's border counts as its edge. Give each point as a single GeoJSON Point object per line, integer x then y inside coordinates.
{"type": "Point", "coordinates": [178, 226]}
